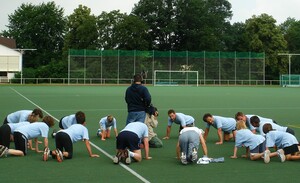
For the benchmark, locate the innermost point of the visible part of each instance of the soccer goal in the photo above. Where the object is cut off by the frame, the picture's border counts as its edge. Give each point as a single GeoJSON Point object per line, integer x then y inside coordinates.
{"type": "Point", "coordinates": [290, 80]}
{"type": "Point", "coordinates": [175, 78]}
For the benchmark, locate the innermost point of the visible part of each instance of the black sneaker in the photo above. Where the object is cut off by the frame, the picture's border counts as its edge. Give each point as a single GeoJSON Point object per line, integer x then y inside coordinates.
{"type": "Point", "coordinates": [117, 157]}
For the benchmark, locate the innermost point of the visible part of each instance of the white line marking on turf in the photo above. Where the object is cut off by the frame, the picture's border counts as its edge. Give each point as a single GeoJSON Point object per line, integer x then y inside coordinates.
{"type": "Point", "coordinates": [33, 103]}
{"type": "Point", "coordinates": [123, 165]}
{"type": "Point", "coordinates": [97, 147]}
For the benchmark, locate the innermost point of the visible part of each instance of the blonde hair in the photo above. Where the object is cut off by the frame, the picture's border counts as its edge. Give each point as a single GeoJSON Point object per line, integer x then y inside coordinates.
{"type": "Point", "coordinates": [240, 125]}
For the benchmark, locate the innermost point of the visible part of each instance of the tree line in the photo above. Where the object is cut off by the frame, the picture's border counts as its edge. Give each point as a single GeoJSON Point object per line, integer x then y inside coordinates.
{"type": "Point", "coordinates": [177, 25]}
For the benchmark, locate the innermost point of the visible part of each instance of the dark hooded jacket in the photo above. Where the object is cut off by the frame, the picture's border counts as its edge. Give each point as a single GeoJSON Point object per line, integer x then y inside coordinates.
{"type": "Point", "coordinates": [137, 98]}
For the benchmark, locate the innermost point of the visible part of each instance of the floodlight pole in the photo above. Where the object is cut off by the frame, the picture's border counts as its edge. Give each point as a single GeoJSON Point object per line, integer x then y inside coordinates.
{"type": "Point", "coordinates": [22, 51]}
{"type": "Point", "coordinates": [290, 56]}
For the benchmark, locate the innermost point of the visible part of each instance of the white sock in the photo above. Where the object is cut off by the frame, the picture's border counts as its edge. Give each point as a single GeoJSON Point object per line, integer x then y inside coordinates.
{"type": "Point", "coordinates": [131, 154]}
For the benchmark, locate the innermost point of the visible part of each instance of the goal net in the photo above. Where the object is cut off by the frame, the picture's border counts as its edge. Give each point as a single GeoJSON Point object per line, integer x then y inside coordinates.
{"type": "Point", "coordinates": [290, 80]}
{"type": "Point", "coordinates": [175, 78]}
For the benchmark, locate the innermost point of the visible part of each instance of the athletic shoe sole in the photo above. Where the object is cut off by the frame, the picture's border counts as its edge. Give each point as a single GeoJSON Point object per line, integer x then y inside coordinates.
{"type": "Point", "coordinates": [281, 155]}
{"type": "Point", "coordinates": [3, 150]}
{"type": "Point", "coordinates": [46, 154]}
{"type": "Point", "coordinates": [127, 157]}
{"type": "Point", "coordinates": [183, 159]}
{"type": "Point", "coordinates": [59, 155]}
{"type": "Point", "coordinates": [267, 156]}
{"type": "Point", "coordinates": [117, 158]}
{"type": "Point", "coordinates": [194, 155]}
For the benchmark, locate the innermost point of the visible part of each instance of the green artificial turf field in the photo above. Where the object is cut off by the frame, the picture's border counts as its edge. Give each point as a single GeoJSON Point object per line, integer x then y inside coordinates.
{"type": "Point", "coordinates": [280, 104]}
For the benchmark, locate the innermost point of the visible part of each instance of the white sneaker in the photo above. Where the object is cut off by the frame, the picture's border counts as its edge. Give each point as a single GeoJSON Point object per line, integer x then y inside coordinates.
{"type": "Point", "coordinates": [281, 155]}
{"type": "Point", "coordinates": [194, 155]}
{"type": "Point", "coordinates": [267, 156]}
{"type": "Point", "coordinates": [183, 158]}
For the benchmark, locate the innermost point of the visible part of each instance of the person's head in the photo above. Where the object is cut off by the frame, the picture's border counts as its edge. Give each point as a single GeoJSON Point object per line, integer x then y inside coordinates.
{"type": "Point", "coordinates": [240, 116]}
{"type": "Point", "coordinates": [254, 120]}
{"type": "Point", "coordinates": [110, 118]}
{"type": "Point", "coordinates": [138, 78]}
{"type": "Point", "coordinates": [208, 118]}
{"type": "Point", "coordinates": [49, 121]}
{"type": "Point", "coordinates": [172, 114]}
{"type": "Point", "coordinates": [80, 117]}
{"type": "Point", "coordinates": [35, 115]}
{"type": "Point", "coordinates": [240, 124]}
{"type": "Point", "coordinates": [151, 110]}
{"type": "Point", "coordinates": [267, 127]}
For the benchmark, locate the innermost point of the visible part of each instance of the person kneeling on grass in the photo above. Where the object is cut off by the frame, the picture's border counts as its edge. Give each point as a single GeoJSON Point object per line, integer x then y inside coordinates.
{"type": "Point", "coordinates": [222, 124]}
{"type": "Point", "coordinates": [286, 143]}
{"type": "Point", "coordinates": [64, 140]}
{"type": "Point", "coordinates": [24, 133]}
{"type": "Point", "coordinates": [189, 139]}
{"type": "Point", "coordinates": [256, 144]}
{"type": "Point", "coordinates": [106, 123]}
{"type": "Point", "coordinates": [151, 122]}
{"type": "Point", "coordinates": [128, 143]}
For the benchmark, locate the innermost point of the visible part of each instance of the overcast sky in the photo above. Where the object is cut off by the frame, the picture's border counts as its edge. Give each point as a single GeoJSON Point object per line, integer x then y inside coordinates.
{"type": "Point", "coordinates": [242, 9]}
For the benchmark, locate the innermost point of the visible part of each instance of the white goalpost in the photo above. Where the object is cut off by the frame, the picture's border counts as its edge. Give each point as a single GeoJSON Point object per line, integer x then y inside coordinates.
{"type": "Point", "coordinates": [175, 78]}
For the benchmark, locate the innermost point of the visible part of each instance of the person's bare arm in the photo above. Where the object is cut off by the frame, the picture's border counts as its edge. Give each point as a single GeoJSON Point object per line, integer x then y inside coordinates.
{"type": "Point", "coordinates": [203, 144]}
{"type": "Point", "coordinates": [88, 147]}
{"type": "Point", "coordinates": [220, 136]}
{"type": "Point", "coordinates": [206, 133]}
{"type": "Point", "coordinates": [168, 132]}
{"type": "Point", "coordinates": [146, 146]}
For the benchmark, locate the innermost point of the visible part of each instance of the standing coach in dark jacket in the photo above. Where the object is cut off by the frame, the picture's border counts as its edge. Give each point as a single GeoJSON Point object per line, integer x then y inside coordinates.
{"type": "Point", "coordinates": [138, 99]}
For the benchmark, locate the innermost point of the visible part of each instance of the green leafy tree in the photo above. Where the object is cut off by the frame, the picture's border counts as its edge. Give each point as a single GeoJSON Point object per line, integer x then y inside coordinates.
{"type": "Point", "coordinates": [160, 17]}
{"type": "Point", "coordinates": [107, 23]}
{"type": "Point", "coordinates": [235, 38]}
{"type": "Point", "coordinates": [82, 30]}
{"type": "Point", "coordinates": [185, 25]}
{"type": "Point", "coordinates": [264, 36]}
{"type": "Point", "coordinates": [202, 24]}
{"type": "Point", "coordinates": [131, 34]}
{"type": "Point", "coordinates": [291, 30]}
{"type": "Point", "coordinates": [38, 27]}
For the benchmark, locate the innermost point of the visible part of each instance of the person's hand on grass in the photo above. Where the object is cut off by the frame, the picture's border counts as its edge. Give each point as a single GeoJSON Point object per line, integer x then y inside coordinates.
{"type": "Point", "coordinates": [94, 155]}
{"type": "Point", "coordinates": [148, 158]}
{"type": "Point", "coordinates": [166, 138]}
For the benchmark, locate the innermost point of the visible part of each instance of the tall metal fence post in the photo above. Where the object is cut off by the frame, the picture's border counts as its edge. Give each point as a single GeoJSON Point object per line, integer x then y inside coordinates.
{"type": "Point", "coordinates": [118, 80]}
{"type": "Point", "coordinates": [235, 68]}
{"type": "Point", "coordinates": [69, 57]}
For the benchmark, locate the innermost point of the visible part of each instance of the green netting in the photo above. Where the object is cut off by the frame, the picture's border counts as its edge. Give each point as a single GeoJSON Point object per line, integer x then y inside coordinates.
{"type": "Point", "coordinates": [118, 66]}
{"type": "Point", "coordinates": [249, 55]}
{"type": "Point", "coordinates": [290, 80]}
